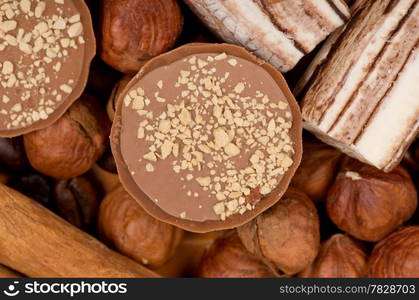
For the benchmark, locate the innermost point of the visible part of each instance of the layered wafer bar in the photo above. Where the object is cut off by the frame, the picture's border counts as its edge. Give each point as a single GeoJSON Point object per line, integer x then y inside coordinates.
{"type": "Point", "coordinates": [280, 32]}
{"type": "Point", "coordinates": [362, 94]}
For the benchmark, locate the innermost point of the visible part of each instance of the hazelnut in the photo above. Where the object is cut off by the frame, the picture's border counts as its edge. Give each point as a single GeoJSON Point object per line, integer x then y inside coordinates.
{"type": "Point", "coordinates": [118, 88]}
{"type": "Point", "coordinates": [136, 30]}
{"type": "Point", "coordinates": [70, 146]}
{"type": "Point", "coordinates": [287, 235]}
{"type": "Point", "coordinates": [185, 261]}
{"type": "Point", "coordinates": [108, 181]}
{"type": "Point", "coordinates": [317, 170]}
{"type": "Point", "coordinates": [397, 255]}
{"type": "Point", "coordinates": [339, 257]}
{"type": "Point", "coordinates": [107, 161]}
{"type": "Point", "coordinates": [228, 258]}
{"type": "Point", "coordinates": [368, 203]}
{"type": "Point", "coordinates": [125, 225]}
{"type": "Point", "coordinates": [77, 201]}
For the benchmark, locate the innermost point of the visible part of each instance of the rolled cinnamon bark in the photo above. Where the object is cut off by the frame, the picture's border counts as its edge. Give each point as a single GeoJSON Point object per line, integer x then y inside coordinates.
{"type": "Point", "coordinates": [38, 243]}
{"type": "Point", "coordinates": [5, 272]}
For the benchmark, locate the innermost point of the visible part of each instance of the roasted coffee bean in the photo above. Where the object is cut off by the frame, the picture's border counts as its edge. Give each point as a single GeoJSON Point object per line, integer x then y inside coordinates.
{"type": "Point", "coordinates": [12, 154]}
{"type": "Point", "coordinates": [34, 185]}
{"type": "Point", "coordinates": [77, 201]}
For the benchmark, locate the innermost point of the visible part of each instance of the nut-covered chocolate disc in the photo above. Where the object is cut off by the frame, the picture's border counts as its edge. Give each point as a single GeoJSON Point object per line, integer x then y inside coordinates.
{"type": "Point", "coordinates": [46, 47]}
{"type": "Point", "coordinates": [206, 137]}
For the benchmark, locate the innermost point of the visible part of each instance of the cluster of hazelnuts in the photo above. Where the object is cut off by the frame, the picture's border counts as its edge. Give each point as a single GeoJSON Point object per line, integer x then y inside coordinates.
{"type": "Point", "coordinates": [339, 218]}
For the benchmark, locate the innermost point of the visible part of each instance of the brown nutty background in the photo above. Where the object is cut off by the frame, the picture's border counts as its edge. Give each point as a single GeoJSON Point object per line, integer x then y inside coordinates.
{"type": "Point", "coordinates": [327, 224]}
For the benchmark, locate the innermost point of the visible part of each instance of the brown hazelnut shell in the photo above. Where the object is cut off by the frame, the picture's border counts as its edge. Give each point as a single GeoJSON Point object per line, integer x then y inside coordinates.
{"type": "Point", "coordinates": [317, 170]}
{"type": "Point", "coordinates": [339, 257]}
{"type": "Point", "coordinates": [108, 181]}
{"type": "Point", "coordinates": [228, 258]}
{"type": "Point", "coordinates": [287, 236]}
{"type": "Point", "coordinates": [397, 255]}
{"type": "Point", "coordinates": [368, 203]}
{"type": "Point", "coordinates": [128, 228]}
{"type": "Point", "coordinates": [90, 46]}
{"type": "Point", "coordinates": [187, 258]}
{"type": "Point", "coordinates": [136, 30]}
{"type": "Point", "coordinates": [235, 220]}
{"type": "Point", "coordinates": [70, 146]}
{"type": "Point", "coordinates": [118, 88]}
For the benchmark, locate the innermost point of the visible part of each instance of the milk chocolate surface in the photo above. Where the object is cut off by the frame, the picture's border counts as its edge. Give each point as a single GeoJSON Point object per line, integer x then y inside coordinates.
{"type": "Point", "coordinates": [45, 52]}
{"type": "Point", "coordinates": [206, 136]}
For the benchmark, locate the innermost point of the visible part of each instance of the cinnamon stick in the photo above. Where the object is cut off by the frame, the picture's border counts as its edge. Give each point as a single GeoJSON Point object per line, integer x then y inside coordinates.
{"type": "Point", "coordinates": [5, 272]}
{"type": "Point", "coordinates": [36, 242]}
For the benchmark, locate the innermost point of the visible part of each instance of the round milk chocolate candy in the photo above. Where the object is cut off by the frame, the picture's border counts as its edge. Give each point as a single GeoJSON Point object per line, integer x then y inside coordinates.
{"type": "Point", "coordinates": [46, 47]}
{"type": "Point", "coordinates": [206, 137]}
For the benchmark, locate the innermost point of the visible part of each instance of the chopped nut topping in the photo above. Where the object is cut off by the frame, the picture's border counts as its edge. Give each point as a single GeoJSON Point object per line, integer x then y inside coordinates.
{"type": "Point", "coordinates": [149, 168]}
{"type": "Point", "coordinates": [204, 181]}
{"type": "Point", "coordinates": [353, 175]}
{"type": "Point", "coordinates": [150, 156]}
{"type": "Point", "coordinates": [232, 62]}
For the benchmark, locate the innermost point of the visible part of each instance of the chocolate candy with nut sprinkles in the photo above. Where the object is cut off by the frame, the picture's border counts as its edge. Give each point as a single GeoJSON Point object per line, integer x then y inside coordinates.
{"type": "Point", "coordinates": [45, 52]}
{"type": "Point", "coordinates": [207, 136]}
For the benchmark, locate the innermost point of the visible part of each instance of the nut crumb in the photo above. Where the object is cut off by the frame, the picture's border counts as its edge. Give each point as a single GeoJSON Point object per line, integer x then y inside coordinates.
{"type": "Point", "coordinates": [353, 175]}
{"type": "Point", "coordinates": [149, 167]}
